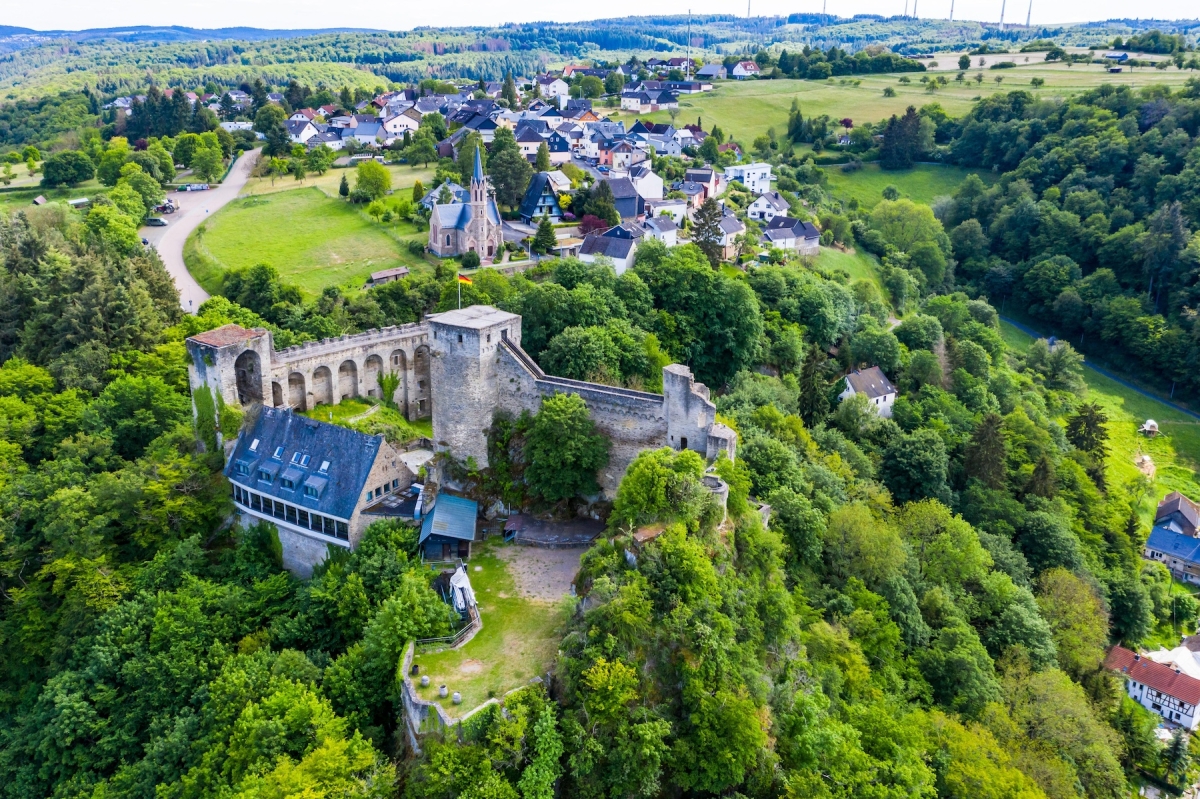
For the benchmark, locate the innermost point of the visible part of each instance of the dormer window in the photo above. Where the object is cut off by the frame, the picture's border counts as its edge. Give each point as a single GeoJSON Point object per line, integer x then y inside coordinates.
{"type": "Point", "coordinates": [286, 483]}
{"type": "Point", "coordinates": [264, 475]}
{"type": "Point", "coordinates": [241, 467]}
{"type": "Point", "coordinates": [312, 492]}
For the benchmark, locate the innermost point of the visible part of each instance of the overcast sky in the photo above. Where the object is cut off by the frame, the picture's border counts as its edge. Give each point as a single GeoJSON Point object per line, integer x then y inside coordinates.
{"type": "Point", "coordinates": [78, 14]}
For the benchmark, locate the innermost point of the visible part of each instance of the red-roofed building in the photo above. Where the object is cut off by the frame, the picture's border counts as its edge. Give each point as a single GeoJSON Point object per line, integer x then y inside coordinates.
{"type": "Point", "coordinates": [1158, 687]}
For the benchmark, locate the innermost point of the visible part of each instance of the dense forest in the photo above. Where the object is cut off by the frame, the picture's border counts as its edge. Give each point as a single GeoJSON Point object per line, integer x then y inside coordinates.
{"type": "Point", "coordinates": [1091, 228]}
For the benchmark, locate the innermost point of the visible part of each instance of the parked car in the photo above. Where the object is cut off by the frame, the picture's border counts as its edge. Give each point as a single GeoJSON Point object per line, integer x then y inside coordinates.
{"type": "Point", "coordinates": [156, 221]}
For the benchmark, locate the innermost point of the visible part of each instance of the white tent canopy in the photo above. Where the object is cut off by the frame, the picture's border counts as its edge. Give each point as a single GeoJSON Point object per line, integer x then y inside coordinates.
{"type": "Point", "coordinates": [463, 594]}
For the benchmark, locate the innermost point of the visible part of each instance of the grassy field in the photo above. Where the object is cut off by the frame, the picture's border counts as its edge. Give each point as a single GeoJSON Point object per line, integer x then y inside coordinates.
{"type": "Point", "coordinates": [519, 640]}
{"type": "Point", "coordinates": [1176, 452]}
{"type": "Point", "coordinates": [920, 184]}
{"type": "Point", "coordinates": [313, 240]}
{"type": "Point", "coordinates": [745, 110]}
{"type": "Point", "coordinates": [16, 200]}
{"type": "Point", "coordinates": [403, 178]}
{"type": "Point", "coordinates": [860, 265]}
{"type": "Point", "coordinates": [383, 421]}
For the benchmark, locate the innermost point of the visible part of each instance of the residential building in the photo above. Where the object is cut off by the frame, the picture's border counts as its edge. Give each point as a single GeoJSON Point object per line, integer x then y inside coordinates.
{"type": "Point", "coordinates": [745, 69]}
{"type": "Point", "coordinates": [552, 87]}
{"type": "Point", "coordinates": [300, 131]}
{"type": "Point", "coordinates": [705, 176]}
{"type": "Point", "coordinates": [756, 177]}
{"type": "Point", "coordinates": [314, 481]}
{"type": "Point", "coordinates": [617, 244]}
{"type": "Point", "coordinates": [540, 200]}
{"type": "Point", "coordinates": [529, 140]}
{"type": "Point", "coordinates": [645, 102]}
{"type": "Point", "coordinates": [396, 125]}
{"type": "Point", "coordinates": [1173, 540]}
{"type": "Point", "coordinates": [330, 137]}
{"type": "Point", "coordinates": [730, 147]}
{"type": "Point", "coordinates": [366, 133]}
{"type": "Point", "coordinates": [792, 234]}
{"type": "Point", "coordinates": [558, 181]}
{"type": "Point", "coordinates": [473, 226]}
{"type": "Point", "coordinates": [676, 209]}
{"type": "Point", "coordinates": [693, 192]}
{"type": "Point", "coordinates": [715, 71]}
{"type": "Point", "coordinates": [662, 228]}
{"type": "Point", "coordinates": [731, 228]}
{"type": "Point", "coordinates": [644, 179]}
{"type": "Point", "coordinates": [872, 383]}
{"type": "Point", "coordinates": [303, 115]}
{"type": "Point", "coordinates": [628, 201]}
{"type": "Point", "coordinates": [767, 206]}
{"type": "Point", "coordinates": [625, 155]}
{"type": "Point", "coordinates": [1157, 687]}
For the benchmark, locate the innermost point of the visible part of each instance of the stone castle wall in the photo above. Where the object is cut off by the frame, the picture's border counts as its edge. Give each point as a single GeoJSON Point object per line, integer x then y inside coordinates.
{"type": "Point", "coordinates": [460, 367]}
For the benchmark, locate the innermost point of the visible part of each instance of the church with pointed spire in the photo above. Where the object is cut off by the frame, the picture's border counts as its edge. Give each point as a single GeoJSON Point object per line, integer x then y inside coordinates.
{"type": "Point", "coordinates": [456, 228]}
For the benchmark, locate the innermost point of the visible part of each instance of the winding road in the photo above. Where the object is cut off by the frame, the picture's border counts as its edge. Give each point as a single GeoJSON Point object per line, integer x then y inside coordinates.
{"type": "Point", "coordinates": [194, 208]}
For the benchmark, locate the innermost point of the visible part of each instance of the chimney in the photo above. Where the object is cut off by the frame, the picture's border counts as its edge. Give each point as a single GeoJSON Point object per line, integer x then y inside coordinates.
{"type": "Point", "coordinates": [1136, 656]}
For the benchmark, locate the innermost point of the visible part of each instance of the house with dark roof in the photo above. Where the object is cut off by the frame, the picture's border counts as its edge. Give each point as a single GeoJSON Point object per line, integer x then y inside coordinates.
{"type": "Point", "coordinates": [731, 228]}
{"type": "Point", "coordinates": [693, 192]}
{"type": "Point", "coordinates": [1157, 687]}
{"type": "Point", "coordinates": [792, 234]}
{"type": "Point", "coordinates": [662, 228]}
{"type": "Point", "coordinates": [617, 244]}
{"type": "Point", "coordinates": [707, 177]}
{"type": "Point", "coordinates": [300, 130]}
{"type": "Point", "coordinates": [767, 206]}
{"type": "Point", "coordinates": [1173, 540]}
{"type": "Point", "coordinates": [875, 386]}
{"type": "Point", "coordinates": [540, 200]}
{"type": "Point", "coordinates": [314, 481]}
{"type": "Point", "coordinates": [628, 202]}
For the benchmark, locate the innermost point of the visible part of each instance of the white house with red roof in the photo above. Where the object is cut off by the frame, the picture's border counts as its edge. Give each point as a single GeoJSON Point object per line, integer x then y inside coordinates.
{"type": "Point", "coordinates": [745, 69]}
{"type": "Point", "coordinates": [1157, 687]}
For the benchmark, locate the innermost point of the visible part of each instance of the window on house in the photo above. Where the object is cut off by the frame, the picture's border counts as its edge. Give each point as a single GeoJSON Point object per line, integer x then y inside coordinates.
{"type": "Point", "coordinates": [255, 502]}
{"type": "Point", "coordinates": [324, 467]}
{"type": "Point", "coordinates": [278, 455]}
{"type": "Point", "coordinates": [296, 457]}
{"type": "Point", "coordinates": [254, 445]}
{"type": "Point", "coordinates": [369, 495]}
{"type": "Point", "coordinates": [460, 338]}
{"type": "Point", "coordinates": [241, 468]}
{"type": "Point", "coordinates": [288, 484]}
{"type": "Point", "coordinates": [311, 491]}
{"type": "Point", "coordinates": [264, 475]}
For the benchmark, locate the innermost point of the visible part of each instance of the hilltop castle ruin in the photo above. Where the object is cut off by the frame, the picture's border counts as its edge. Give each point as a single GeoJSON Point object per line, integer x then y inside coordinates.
{"type": "Point", "coordinates": [460, 368]}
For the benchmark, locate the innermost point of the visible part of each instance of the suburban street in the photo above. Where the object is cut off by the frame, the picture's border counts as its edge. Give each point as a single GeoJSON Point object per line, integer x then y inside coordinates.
{"type": "Point", "coordinates": [194, 208]}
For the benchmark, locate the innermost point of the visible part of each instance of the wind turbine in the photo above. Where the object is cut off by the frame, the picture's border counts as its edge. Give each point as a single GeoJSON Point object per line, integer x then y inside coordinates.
{"type": "Point", "coordinates": [952, 10]}
{"type": "Point", "coordinates": [1002, 4]}
{"type": "Point", "coordinates": [914, 9]}
{"type": "Point", "coordinates": [1029, 13]}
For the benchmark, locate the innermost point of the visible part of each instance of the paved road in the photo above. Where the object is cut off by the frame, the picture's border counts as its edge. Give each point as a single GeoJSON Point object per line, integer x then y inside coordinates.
{"type": "Point", "coordinates": [194, 208]}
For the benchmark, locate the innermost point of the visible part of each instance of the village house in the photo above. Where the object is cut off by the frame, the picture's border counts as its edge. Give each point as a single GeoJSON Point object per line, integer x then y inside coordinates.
{"type": "Point", "coordinates": [645, 102]}
{"type": "Point", "coordinates": [396, 125]}
{"type": "Point", "coordinates": [676, 209]}
{"type": "Point", "coordinates": [745, 69]}
{"type": "Point", "coordinates": [540, 200]}
{"type": "Point", "coordinates": [1157, 687]}
{"type": "Point", "coordinates": [645, 180]}
{"type": "Point", "coordinates": [715, 71]}
{"type": "Point", "coordinates": [730, 147]}
{"type": "Point", "coordinates": [628, 202]}
{"type": "Point", "coordinates": [617, 244]}
{"type": "Point", "coordinates": [767, 206]}
{"type": "Point", "coordinates": [874, 385]}
{"type": "Point", "coordinates": [300, 131]}
{"type": "Point", "coordinates": [303, 115]}
{"type": "Point", "coordinates": [552, 87]}
{"type": "Point", "coordinates": [460, 227]}
{"type": "Point", "coordinates": [662, 228]}
{"type": "Point", "coordinates": [792, 234]}
{"type": "Point", "coordinates": [731, 228]}
{"type": "Point", "coordinates": [1173, 540]}
{"type": "Point", "coordinates": [756, 177]}
{"type": "Point", "coordinates": [706, 177]}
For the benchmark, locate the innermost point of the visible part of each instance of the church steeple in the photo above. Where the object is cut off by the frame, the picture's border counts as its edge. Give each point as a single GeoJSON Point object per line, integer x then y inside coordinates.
{"type": "Point", "coordinates": [478, 181]}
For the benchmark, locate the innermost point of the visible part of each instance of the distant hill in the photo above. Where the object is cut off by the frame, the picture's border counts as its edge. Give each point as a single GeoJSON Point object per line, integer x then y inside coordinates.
{"type": "Point", "coordinates": [174, 33]}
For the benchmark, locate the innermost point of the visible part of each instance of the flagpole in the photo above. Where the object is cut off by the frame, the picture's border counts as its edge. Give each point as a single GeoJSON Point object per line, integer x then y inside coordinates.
{"type": "Point", "coordinates": [457, 280]}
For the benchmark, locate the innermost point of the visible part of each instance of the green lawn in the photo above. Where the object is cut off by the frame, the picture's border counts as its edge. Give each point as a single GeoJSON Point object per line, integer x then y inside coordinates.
{"type": "Point", "coordinates": [920, 184]}
{"type": "Point", "coordinates": [403, 178]}
{"type": "Point", "coordinates": [518, 642]}
{"type": "Point", "coordinates": [1176, 452]}
{"type": "Point", "coordinates": [746, 109]}
{"type": "Point", "coordinates": [313, 240]}
{"type": "Point", "coordinates": [382, 421]}
{"type": "Point", "coordinates": [859, 264]}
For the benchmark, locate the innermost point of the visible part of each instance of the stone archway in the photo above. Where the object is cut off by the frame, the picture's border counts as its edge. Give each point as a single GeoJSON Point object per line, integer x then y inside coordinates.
{"type": "Point", "coordinates": [297, 398]}
{"type": "Point", "coordinates": [347, 385]}
{"type": "Point", "coordinates": [276, 394]}
{"type": "Point", "coordinates": [372, 369]}
{"type": "Point", "coordinates": [398, 363]}
{"type": "Point", "coordinates": [322, 386]}
{"type": "Point", "coordinates": [248, 368]}
{"type": "Point", "coordinates": [421, 405]}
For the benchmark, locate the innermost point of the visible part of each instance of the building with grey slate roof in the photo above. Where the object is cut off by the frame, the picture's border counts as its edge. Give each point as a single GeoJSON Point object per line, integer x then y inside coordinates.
{"type": "Point", "coordinates": [1173, 540]}
{"type": "Point", "coordinates": [873, 384]}
{"type": "Point", "coordinates": [312, 480]}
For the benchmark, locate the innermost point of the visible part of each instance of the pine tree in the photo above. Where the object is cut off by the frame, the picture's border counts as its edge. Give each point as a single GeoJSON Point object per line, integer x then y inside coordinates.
{"type": "Point", "coordinates": [985, 453]}
{"type": "Point", "coordinates": [1175, 756]}
{"type": "Point", "coordinates": [545, 240]}
{"type": "Point", "coordinates": [509, 92]}
{"type": "Point", "coordinates": [1086, 431]}
{"type": "Point", "coordinates": [813, 402]}
{"type": "Point", "coordinates": [707, 235]}
{"type": "Point", "coordinates": [344, 187]}
{"type": "Point", "coordinates": [1042, 481]}
{"type": "Point", "coordinates": [795, 125]}
{"type": "Point", "coordinates": [542, 164]}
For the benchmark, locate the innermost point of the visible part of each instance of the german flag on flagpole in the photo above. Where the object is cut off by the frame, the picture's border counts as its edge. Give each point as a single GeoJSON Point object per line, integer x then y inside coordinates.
{"type": "Point", "coordinates": [464, 279]}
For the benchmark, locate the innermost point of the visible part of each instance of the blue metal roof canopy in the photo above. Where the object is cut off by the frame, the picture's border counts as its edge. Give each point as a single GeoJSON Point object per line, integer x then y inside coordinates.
{"type": "Point", "coordinates": [450, 517]}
